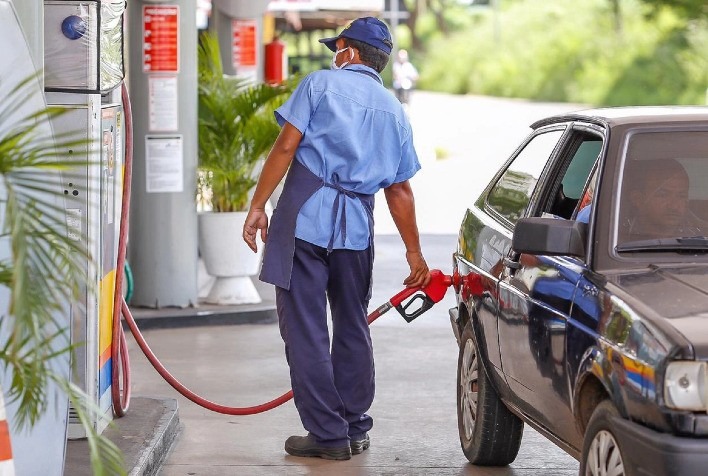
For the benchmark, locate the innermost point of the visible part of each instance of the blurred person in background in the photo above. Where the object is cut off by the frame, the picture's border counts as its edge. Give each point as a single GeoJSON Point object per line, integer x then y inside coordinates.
{"type": "Point", "coordinates": [404, 77]}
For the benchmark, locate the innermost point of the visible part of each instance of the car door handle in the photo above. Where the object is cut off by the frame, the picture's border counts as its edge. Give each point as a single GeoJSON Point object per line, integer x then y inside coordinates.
{"type": "Point", "coordinates": [510, 263]}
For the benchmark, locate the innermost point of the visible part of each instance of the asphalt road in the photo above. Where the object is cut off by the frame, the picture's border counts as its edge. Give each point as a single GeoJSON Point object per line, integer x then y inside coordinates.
{"type": "Point", "coordinates": [415, 429]}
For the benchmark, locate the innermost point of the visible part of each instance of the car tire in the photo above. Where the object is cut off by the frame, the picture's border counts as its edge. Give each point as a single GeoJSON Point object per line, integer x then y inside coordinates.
{"type": "Point", "coordinates": [490, 434]}
{"type": "Point", "coordinates": [602, 453]}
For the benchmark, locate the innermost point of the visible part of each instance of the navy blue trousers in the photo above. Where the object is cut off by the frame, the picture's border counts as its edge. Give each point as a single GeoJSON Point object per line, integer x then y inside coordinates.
{"type": "Point", "coordinates": [333, 386]}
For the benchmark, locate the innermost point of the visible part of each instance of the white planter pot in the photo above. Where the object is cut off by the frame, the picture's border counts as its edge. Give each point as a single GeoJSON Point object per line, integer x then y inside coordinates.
{"type": "Point", "coordinates": [228, 258]}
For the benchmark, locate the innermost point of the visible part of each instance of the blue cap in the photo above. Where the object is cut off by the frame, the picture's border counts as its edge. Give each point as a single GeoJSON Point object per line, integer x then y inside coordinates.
{"type": "Point", "coordinates": [369, 30]}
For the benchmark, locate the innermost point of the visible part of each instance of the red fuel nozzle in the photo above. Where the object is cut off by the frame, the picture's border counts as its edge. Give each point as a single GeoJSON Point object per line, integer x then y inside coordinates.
{"type": "Point", "coordinates": [424, 297]}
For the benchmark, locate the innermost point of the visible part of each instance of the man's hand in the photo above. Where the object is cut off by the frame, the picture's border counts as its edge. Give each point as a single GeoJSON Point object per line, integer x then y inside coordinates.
{"type": "Point", "coordinates": [256, 220]}
{"type": "Point", "coordinates": [401, 204]}
{"type": "Point", "coordinates": [274, 169]}
{"type": "Point", "coordinates": [420, 274]}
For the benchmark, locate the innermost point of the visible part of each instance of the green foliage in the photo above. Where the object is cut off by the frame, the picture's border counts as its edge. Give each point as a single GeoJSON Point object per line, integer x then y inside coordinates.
{"type": "Point", "coordinates": [42, 272]}
{"type": "Point", "coordinates": [688, 8]}
{"type": "Point", "coordinates": [572, 51]}
{"type": "Point", "coordinates": [236, 129]}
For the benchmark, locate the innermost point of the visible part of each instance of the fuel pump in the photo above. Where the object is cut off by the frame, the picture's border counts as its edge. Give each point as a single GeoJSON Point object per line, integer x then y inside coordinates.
{"type": "Point", "coordinates": [83, 73]}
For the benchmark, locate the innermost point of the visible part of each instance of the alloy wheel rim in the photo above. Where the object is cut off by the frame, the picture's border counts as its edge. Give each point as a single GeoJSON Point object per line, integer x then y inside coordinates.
{"type": "Point", "coordinates": [469, 385]}
{"type": "Point", "coordinates": [604, 457]}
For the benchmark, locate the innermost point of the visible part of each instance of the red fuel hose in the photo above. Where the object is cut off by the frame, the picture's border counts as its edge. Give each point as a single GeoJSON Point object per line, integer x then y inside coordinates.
{"type": "Point", "coordinates": [209, 405]}
{"type": "Point", "coordinates": [433, 292]}
{"type": "Point", "coordinates": [120, 360]}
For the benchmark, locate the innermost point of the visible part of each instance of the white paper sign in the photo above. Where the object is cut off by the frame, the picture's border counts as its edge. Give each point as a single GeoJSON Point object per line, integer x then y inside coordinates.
{"type": "Point", "coordinates": [164, 169]}
{"type": "Point", "coordinates": [163, 103]}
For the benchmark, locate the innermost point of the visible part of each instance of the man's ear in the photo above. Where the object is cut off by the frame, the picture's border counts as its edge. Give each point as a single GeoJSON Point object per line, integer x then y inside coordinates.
{"type": "Point", "coordinates": [356, 58]}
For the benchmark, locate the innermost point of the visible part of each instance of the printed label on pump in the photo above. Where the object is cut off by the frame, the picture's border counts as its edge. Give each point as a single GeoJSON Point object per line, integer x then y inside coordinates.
{"type": "Point", "coordinates": [161, 38]}
{"type": "Point", "coordinates": [74, 219]}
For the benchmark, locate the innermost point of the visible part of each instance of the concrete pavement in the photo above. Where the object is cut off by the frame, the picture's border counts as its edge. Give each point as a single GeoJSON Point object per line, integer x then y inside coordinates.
{"type": "Point", "coordinates": [415, 429]}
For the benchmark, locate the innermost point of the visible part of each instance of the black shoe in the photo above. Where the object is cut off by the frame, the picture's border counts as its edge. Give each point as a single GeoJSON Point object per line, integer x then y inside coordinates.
{"type": "Point", "coordinates": [307, 446]}
{"type": "Point", "coordinates": [358, 446]}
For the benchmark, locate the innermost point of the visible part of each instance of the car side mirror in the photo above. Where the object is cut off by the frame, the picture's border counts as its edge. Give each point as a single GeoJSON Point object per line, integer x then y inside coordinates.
{"type": "Point", "coordinates": [549, 236]}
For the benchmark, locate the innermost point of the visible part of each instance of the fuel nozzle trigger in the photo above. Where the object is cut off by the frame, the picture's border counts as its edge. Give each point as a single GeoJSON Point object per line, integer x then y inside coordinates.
{"type": "Point", "coordinates": [426, 304]}
{"type": "Point", "coordinates": [423, 298]}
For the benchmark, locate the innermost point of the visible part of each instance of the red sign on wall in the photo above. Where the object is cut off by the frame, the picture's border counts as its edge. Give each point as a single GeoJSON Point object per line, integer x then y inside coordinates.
{"type": "Point", "coordinates": [243, 48]}
{"type": "Point", "coordinates": [161, 38]}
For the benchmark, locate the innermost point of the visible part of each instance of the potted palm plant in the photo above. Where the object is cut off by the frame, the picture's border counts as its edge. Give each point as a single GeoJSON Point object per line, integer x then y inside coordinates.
{"type": "Point", "coordinates": [236, 130]}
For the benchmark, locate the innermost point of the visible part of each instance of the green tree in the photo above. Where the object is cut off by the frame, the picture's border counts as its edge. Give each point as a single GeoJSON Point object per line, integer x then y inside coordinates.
{"type": "Point", "coordinates": [691, 9]}
{"type": "Point", "coordinates": [572, 51]}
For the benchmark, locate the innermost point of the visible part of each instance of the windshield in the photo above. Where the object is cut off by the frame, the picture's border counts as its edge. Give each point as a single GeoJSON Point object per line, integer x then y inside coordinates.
{"type": "Point", "coordinates": [664, 195]}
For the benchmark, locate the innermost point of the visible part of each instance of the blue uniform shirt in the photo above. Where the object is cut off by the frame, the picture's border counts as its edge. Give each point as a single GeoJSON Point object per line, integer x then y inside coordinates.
{"type": "Point", "coordinates": [355, 134]}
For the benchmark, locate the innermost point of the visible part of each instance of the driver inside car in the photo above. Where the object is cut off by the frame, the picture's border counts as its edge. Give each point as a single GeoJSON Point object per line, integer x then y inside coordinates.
{"type": "Point", "coordinates": [658, 201]}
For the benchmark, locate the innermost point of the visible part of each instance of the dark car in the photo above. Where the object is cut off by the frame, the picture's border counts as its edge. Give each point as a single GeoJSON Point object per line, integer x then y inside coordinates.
{"type": "Point", "coordinates": [582, 295]}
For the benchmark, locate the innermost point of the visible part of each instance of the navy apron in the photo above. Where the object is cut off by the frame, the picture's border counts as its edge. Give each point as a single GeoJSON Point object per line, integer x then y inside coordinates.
{"type": "Point", "coordinates": [300, 185]}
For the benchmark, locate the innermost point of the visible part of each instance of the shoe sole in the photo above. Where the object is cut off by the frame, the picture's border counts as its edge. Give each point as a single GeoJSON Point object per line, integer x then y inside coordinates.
{"type": "Point", "coordinates": [337, 454]}
{"type": "Point", "coordinates": [359, 446]}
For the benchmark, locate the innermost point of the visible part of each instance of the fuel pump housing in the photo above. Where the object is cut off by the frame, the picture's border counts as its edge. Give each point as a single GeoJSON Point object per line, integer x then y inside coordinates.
{"type": "Point", "coordinates": [83, 72]}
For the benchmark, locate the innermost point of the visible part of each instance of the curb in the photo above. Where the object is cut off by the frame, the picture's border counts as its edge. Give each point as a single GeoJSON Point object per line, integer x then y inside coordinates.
{"type": "Point", "coordinates": [145, 436]}
{"type": "Point", "coordinates": [159, 444]}
{"type": "Point", "coordinates": [170, 318]}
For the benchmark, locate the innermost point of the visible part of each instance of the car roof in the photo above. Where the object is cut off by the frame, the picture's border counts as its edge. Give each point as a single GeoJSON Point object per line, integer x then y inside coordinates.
{"type": "Point", "coordinates": [612, 116]}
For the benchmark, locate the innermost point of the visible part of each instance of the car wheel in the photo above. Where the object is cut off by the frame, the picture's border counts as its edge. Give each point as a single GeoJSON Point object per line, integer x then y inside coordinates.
{"type": "Point", "coordinates": [602, 453]}
{"type": "Point", "coordinates": [490, 434]}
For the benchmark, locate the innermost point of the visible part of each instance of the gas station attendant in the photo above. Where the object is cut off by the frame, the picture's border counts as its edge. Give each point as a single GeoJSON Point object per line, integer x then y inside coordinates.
{"type": "Point", "coordinates": [349, 137]}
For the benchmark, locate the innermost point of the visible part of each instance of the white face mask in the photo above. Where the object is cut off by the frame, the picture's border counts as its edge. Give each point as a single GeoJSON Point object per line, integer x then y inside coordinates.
{"type": "Point", "coordinates": [336, 53]}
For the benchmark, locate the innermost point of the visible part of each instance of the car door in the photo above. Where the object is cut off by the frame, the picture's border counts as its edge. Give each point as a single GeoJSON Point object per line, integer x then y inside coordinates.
{"type": "Point", "coordinates": [505, 202]}
{"type": "Point", "coordinates": [536, 293]}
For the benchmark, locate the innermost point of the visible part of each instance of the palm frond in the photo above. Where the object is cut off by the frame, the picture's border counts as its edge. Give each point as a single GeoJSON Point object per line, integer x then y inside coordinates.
{"type": "Point", "coordinates": [209, 59]}
{"type": "Point", "coordinates": [236, 129]}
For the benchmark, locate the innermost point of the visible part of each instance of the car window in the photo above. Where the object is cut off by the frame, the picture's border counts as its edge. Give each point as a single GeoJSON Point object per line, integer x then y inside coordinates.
{"type": "Point", "coordinates": [511, 194]}
{"type": "Point", "coordinates": [569, 184]}
{"type": "Point", "coordinates": [663, 202]}
{"type": "Point", "coordinates": [578, 171]}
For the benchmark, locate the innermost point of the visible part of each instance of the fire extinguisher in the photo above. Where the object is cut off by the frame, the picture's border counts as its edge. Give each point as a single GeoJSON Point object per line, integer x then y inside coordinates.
{"type": "Point", "coordinates": [276, 62]}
